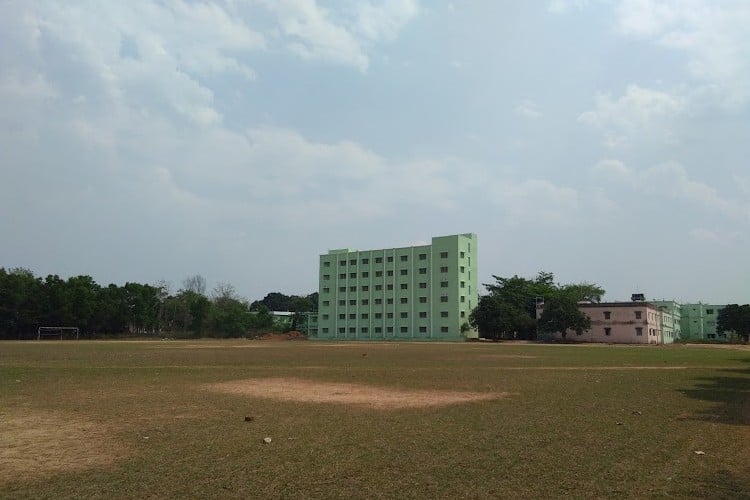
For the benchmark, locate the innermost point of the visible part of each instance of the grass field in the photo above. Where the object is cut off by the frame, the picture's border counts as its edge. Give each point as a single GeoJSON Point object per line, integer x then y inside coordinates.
{"type": "Point", "coordinates": [167, 419]}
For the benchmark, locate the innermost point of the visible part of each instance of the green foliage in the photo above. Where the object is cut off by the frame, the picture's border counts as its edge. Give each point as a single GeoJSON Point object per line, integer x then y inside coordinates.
{"type": "Point", "coordinates": [735, 318]}
{"type": "Point", "coordinates": [27, 302]}
{"type": "Point", "coordinates": [561, 314]}
{"type": "Point", "coordinates": [509, 310]}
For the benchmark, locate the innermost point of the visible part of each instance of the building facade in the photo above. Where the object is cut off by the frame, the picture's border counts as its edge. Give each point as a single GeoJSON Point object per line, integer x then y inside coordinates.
{"type": "Point", "coordinates": [698, 322]}
{"type": "Point", "coordinates": [422, 292]}
{"type": "Point", "coordinates": [619, 323]}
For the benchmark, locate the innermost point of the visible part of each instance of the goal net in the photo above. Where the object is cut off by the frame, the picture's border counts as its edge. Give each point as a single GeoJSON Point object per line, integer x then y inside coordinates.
{"type": "Point", "coordinates": [57, 332]}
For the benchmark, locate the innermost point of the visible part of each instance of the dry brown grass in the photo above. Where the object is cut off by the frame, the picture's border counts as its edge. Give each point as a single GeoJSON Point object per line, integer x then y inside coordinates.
{"type": "Point", "coordinates": [380, 398]}
{"type": "Point", "coordinates": [35, 443]}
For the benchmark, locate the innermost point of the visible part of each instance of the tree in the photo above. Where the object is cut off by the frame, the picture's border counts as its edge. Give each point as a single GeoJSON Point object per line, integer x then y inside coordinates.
{"type": "Point", "coordinates": [497, 319]}
{"type": "Point", "coordinates": [735, 318]}
{"type": "Point", "coordinates": [299, 305]}
{"type": "Point", "coordinates": [561, 314]}
{"type": "Point", "coordinates": [195, 284]}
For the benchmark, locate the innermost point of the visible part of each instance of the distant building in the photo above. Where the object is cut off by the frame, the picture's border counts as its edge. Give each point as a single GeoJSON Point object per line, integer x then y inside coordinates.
{"type": "Point", "coordinates": [423, 292]}
{"type": "Point", "coordinates": [635, 322]}
{"type": "Point", "coordinates": [698, 322]}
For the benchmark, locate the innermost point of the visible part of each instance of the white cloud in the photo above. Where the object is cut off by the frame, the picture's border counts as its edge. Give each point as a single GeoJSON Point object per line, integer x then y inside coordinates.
{"type": "Point", "coordinates": [671, 180]}
{"type": "Point", "coordinates": [640, 113]}
{"type": "Point", "coordinates": [528, 109]}
{"type": "Point", "coordinates": [712, 34]}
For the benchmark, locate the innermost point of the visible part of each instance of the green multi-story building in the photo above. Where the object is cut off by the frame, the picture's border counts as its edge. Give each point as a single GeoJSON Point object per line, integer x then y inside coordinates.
{"type": "Point", "coordinates": [422, 292]}
{"type": "Point", "coordinates": [699, 322]}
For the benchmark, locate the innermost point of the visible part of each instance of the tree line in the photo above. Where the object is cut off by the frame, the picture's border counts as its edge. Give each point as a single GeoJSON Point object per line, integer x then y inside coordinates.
{"type": "Point", "coordinates": [508, 311]}
{"type": "Point", "coordinates": [28, 302]}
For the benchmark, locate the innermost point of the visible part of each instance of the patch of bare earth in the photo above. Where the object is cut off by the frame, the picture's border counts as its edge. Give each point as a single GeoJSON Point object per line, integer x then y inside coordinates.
{"type": "Point", "coordinates": [35, 444]}
{"type": "Point", "coordinates": [380, 398]}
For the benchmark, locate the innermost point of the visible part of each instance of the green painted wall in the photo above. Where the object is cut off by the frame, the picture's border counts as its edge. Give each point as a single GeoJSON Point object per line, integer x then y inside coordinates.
{"type": "Point", "coordinates": [699, 322]}
{"type": "Point", "coordinates": [421, 292]}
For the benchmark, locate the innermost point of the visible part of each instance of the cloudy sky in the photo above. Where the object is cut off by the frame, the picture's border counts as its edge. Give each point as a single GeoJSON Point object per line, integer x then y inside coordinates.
{"type": "Point", "coordinates": [604, 141]}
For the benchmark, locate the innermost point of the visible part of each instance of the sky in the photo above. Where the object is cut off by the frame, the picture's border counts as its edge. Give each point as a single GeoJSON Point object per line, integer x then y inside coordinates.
{"type": "Point", "coordinates": [602, 141]}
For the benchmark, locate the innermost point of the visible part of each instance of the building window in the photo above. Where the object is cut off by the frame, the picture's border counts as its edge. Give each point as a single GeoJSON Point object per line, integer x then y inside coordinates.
{"type": "Point", "coordinates": [325, 330]}
{"type": "Point", "coordinates": [365, 302]}
{"type": "Point", "coordinates": [326, 277]}
{"type": "Point", "coordinates": [463, 284]}
{"type": "Point", "coordinates": [443, 314]}
{"type": "Point", "coordinates": [353, 262]}
{"type": "Point", "coordinates": [709, 311]}
{"type": "Point", "coordinates": [352, 275]}
{"type": "Point", "coordinates": [342, 262]}
{"type": "Point", "coordinates": [390, 286]}
{"type": "Point", "coordinates": [365, 288]}
{"type": "Point", "coordinates": [342, 316]}
{"type": "Point", "coordinates": [378, 274]}
{"type": "Point", "coordinates": [352, 302]}
{"type": "Point", "coordinates": [443, 255]}
{"type": "Point", "coordinates": [365, 316]}
{"type": "Point", "coordinates": [389, 329]}
{"type": "Point", "coordinates": [423, 285]}
{"type": "Point", "coordinates": [342, 276]}
{"type": "Point", "coordinates": [352, 316]}
{"type": "Point", "coordinates": [422, 270]}
{"type": "Point", "coordinates": [422, 329]}
{"type": "Point", "coordinates": [352, 288]}
{"type": "Point", "coordinates": [404, 286]}
{"type": "Point", "coordinates": [352, 329]}
{"type": "Point", "coordinates": [607, 331]}
{"type": "Point", "coordinates": [365, 261]}
{"type": "Point", "coordinates": [389, 301]}
{"type": "Point", "coordinates": [342, 330]}
{"type": "Point", "coordinates": [444, 298]}
{"type": "Point", "coordinates": [390, 272]}
{"type": "Point", "coordinates": [422, 256]}
{"type": "Point", "coordinates": [639, 331]}
{"type": "Point", "coordinates": [404, 300]}
{"type": "Point", "coordinates": [378, 301]}
{"type": "Point", "coordinates": [422, 300]}
{"type": "Point", "coordinates": [443, 269]}
{"type": "Point", "coordinates": [443, 284]}
{"type": "Point", "coordinates": [463, 314]}
{"type": "Point", "coordinates": [404, 315]}
{"type": "Point", "coordinates": [326, 302]}
{"type": "Point", "coordinates": [389, 315]}
{"type": "Point", "coordinates": [422, 314]}
{"type": "Point", "coordinates": [404, 258]}
{"type": "Point", "coordinates": [342, 302]}
{"type": "Point", "coordinates": [607, 314]}
{"type": "Point", "coordinates": [325, 317]}
{"type": "Point", "coordinates": [378, 315]}
{"type": "Point", "coordinates": [638, 315]}
{"type": "Point", "coordinates": [390, 258]}
{"type": "Point", "coordinates": [326, 264]}
{"type": "Point", "coordinates": [404, 329]}
{"type": "Point", "coordinates": [462, 269]}
{"type": "Point", "coordinates": [378, 260]}
{"type": "Point", "coordinates": [378, 287]}
{"type": "Point", "coordinates": [463, 298]}
{"type": "Point", "coordinates": [378, 329]}
{"type": "Point", "coordinates": [444, 329]}
{"type": "Point", "coordinates": [363, 329]}
{"type": "Point", "coordinates": [365, 274]}
{"type": "Point", "coordinates": [462, 255]}
{"type": "Point", "coordinates": [404, 272]}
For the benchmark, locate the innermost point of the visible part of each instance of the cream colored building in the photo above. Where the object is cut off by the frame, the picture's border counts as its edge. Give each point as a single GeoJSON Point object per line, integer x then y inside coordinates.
{"type": "Point", "coordinates": [620, 323]}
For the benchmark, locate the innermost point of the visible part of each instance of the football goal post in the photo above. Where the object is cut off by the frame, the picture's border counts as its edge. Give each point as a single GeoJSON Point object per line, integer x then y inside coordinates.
{"type": "Point", "coordinates": [56, 332]}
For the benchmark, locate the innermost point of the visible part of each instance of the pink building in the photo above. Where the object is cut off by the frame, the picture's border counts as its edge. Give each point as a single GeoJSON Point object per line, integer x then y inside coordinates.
{"type": "Point", "coordinates": [618, 323]}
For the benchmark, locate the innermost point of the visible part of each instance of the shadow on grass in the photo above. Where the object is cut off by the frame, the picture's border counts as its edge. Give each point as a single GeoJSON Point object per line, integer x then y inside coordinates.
{"type": "Point", "coordinates": [731, 392]}
{"type": "Point", "coordinates": [724, 484]}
